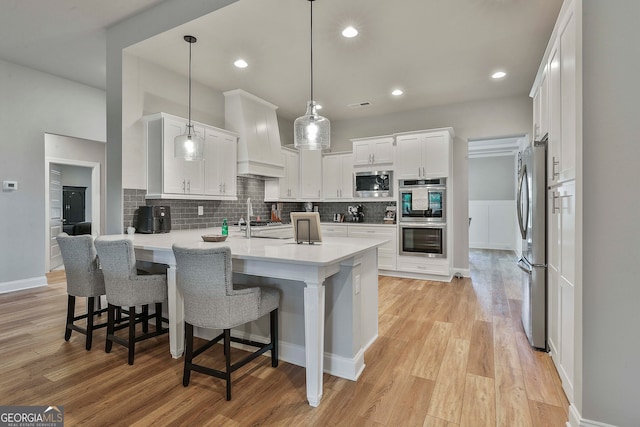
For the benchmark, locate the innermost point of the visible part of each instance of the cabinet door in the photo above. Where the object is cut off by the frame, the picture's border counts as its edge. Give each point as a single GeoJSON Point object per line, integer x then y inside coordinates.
{"type": "Point", "coordinates": [567, 284]}
{"type": "Point", "coordinates": [382, 151]}
{"type": "Point", "coordinates": [173, 180]}
{"type": "Point", "coordinates": [568, 101]}
{"type": "Point", "coordinates": [220, 160]}
{"type": "Point", "coordinates": [331, 177]}
{"type": "Point", "coordinates": [346, 187]}
{"type": "Point", "coordinates": [553, 157]}
{"type": "Point", "coordinates": [228, 164]}
{"type": "Point", "coordinates": [409, 157]}
{"type": "Point", "coordinates": [362, 155]}
{"type": "Point", "coordinates": [292, 172]}
{"type": "Point", "coordinates": [311, 174]}
{"type": "Point", "coordinates": [436, 156]}
{"type": "Point", "coordinates": [212, 149]}
{"type": "Point", "coordinates": [553, 273]}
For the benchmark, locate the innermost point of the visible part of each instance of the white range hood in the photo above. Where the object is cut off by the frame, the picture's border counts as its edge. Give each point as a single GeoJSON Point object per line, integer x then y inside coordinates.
{"type": "Point", "coordinates": [255, 121]}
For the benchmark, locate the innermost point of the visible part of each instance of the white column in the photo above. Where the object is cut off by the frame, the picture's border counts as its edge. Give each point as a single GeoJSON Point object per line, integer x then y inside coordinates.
{"type": "Point", "coordinates": [314, 339]}
{"type": "Point", "coordinates": [175, 304]}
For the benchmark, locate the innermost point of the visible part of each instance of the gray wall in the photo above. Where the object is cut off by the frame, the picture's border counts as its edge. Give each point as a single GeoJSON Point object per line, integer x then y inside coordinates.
{"type": "Point", "coordinates": [474, 120]}
{"type": "Point", "coordinates": [34, 103]}
{"type": "Point", "coordinates": [492, 178]}
{"type": "Point", "coordinates": [611, 341]}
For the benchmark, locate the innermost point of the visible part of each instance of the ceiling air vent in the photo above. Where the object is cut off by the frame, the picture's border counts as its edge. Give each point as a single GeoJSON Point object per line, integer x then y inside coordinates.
{"type": "Point", "coordinates": [360, 104]}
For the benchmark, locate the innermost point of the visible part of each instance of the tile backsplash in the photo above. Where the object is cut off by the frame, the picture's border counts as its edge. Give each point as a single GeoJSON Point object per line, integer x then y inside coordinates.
{"type": "Point", "coordinates": [184, 213]}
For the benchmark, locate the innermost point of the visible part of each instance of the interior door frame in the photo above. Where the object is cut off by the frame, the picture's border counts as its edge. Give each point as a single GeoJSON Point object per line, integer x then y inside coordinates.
{"type": "Point", "coordinates": [95, 198]}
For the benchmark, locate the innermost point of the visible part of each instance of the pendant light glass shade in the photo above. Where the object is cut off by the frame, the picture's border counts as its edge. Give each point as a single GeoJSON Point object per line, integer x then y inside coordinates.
{"type": "Point", "coordinates": [189, 146]}
{"type": "Point", "coordinates": [312, 131]}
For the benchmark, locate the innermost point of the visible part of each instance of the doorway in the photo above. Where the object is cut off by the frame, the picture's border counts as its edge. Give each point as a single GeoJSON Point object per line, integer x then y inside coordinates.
{"type": "Point", "coordinates": [492, 182]}
{"type": "Point", "coordinates": [70, 207]}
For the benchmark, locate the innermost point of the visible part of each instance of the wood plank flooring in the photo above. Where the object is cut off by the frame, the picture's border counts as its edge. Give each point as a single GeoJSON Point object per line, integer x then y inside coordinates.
{"type": "Point", "coordinates": [448, 354]}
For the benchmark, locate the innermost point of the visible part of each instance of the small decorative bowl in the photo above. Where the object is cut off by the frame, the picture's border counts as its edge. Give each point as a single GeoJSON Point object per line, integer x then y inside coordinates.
{"type": "Point", "coordinates": [214, 238]}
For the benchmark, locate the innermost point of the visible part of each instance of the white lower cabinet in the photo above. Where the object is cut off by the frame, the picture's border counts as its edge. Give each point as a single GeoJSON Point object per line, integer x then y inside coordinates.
{"type": "Point", "coordinates": [561, 281]}
{"type": "Point", "coordinates": [335, 230]}
{"type": "Point", "coordinates": [423, 265]}
{"type": "Point", "coordinates": [386, 253]}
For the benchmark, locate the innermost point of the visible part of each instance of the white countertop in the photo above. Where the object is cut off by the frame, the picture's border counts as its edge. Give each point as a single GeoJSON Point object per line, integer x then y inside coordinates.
{"type": "Point", "coordinates": [330, 250]}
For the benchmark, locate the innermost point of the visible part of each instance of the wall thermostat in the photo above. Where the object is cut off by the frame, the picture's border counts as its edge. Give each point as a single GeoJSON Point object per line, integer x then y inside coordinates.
{"type": "Point", "coordinates": [9, 185]}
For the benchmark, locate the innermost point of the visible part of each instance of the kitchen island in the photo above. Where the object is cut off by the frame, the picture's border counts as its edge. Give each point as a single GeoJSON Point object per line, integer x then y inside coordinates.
{"type": "Point", "coordinates": [342, 271]}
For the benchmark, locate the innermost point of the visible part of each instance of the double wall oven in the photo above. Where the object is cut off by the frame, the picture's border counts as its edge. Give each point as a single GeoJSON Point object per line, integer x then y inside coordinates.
{"type": "Point", "coordinates": [422, 217]}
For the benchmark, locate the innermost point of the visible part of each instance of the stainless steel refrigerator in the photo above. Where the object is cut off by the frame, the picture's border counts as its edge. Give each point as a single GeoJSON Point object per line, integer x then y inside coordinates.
{"type": "Point", "coordinates": [531, 206]}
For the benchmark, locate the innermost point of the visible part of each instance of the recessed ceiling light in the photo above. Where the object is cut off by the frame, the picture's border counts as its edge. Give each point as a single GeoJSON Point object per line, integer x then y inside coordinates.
{"type": "Point", "coordinates": [349, 32]}
{"type": "Point", "coordinates": [498, 75]}
{"type": "Point", "coordinates": [241, 63]}
{"type": "Point", "coordinates": [397, 92]}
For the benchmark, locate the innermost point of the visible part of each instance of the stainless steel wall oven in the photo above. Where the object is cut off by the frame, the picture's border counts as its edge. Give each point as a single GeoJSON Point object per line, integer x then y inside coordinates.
{"type": "Point", "coordinates": [422, 200]}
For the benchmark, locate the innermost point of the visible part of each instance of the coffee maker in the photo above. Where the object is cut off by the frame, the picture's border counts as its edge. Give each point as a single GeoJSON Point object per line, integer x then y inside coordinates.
{"type": "Point", "coordinates": [356, 213]}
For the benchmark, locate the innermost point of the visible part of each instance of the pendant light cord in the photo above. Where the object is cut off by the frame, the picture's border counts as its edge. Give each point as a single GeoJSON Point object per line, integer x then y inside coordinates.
{"type": "Point", "coordinates": [311, 38]}
{"type": "Point", "coordinates": [190, 43]}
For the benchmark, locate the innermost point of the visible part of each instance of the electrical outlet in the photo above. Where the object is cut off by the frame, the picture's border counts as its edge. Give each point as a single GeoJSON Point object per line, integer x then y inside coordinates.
{"type": "Point", "coordinates": [357, 280]}
{"type": "Point", "coordinates": [200, 210]}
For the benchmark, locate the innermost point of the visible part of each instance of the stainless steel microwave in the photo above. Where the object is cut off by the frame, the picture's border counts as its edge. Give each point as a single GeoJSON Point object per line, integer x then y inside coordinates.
{"type": "Point", "coordinates": [373, 184]}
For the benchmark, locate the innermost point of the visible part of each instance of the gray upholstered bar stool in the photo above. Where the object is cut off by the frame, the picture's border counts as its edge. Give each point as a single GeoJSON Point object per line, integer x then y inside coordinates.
{"type": "Point", "coordinates": [125, 288]}
{"type": "Point", "coordinates": [84, 279]}
{"type": "Point", "coordinates": [204, 276]}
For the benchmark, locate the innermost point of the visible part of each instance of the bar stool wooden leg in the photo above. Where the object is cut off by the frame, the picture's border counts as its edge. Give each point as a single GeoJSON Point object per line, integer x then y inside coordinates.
{"type": "Point", "coordinates": [71, 312]}
{"type": "Point", "coordinates": [132, 333]}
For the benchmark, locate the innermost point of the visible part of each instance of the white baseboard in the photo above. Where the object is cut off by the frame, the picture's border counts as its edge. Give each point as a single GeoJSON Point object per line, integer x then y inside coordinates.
{"type": "Point", "coordinates": [335, 365]}
{"type": "Point", "coordinates": [576, 421]}
{"type": "Point", "coordinates": [19, 285]}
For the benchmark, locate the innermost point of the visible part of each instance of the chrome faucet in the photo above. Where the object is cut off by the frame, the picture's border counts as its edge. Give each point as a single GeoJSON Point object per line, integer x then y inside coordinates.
{"type": "Point", "coordinates": [249, 215]}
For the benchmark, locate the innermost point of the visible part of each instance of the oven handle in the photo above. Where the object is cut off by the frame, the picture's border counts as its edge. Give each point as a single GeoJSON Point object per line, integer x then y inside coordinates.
{"type": "Point", "coordinates": [425, 224]}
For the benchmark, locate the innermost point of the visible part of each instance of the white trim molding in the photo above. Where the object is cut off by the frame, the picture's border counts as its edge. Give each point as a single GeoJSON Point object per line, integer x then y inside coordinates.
{"type": "Point", "coordinates": [19, 285]}
{"type": "Point", "coordinates": [576, 421]}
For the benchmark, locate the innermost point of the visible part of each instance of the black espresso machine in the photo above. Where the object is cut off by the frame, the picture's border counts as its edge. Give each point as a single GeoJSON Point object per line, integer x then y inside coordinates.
{"type": "Point", "coordinates": [154, 219]}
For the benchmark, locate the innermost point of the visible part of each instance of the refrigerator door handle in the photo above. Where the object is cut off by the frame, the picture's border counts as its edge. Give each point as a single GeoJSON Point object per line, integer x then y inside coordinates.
{"type": "Point", "coordinates": [524, 266]}
{"type": "Point", "coordinates": [522, 222]}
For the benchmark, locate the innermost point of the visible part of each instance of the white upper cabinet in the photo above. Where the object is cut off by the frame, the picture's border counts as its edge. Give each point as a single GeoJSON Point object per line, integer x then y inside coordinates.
{"type": "Point", "coordinates": [541, 108]}
{"type": "Point", "coordinates": [310, 175]}
{"type": "Point", "coordinates": [373, 151]}
{"type": "Point", "coordinates": [424, 154]}
{"type": "Point", "coordinates": [169, 177]}
{"type": "Point", "coordinates": [220, 163]}
{"type": "Point", "coordinates": [560, 86]}
{"type": "Point", "coordinates": [285, 188]}
{"type": "Point", "coordinates": [337, 176]}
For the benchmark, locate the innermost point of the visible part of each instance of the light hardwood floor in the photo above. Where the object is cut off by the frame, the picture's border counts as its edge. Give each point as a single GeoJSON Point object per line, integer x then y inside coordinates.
{"type": "Point", "coordinates": [448, 354]}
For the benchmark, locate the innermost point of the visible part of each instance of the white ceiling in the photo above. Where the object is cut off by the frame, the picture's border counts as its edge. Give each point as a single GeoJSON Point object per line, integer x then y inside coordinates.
{"type": "Point", "coordinates": [438, 51]}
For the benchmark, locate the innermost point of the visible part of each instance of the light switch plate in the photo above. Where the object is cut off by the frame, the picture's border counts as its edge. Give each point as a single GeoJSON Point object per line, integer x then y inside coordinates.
{"type": "Point", "coordinates": [200, 210]}
{"type": "Point", "coordinates": [9, 185]}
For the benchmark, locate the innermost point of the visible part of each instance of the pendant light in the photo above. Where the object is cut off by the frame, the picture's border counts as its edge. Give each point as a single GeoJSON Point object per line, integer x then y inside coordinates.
{"type": "Point", "coordinates": [189, 146]}
{"type": "Point", "coordinates": [312, 131]}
